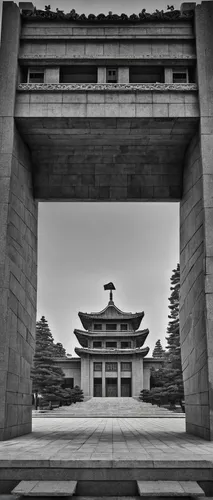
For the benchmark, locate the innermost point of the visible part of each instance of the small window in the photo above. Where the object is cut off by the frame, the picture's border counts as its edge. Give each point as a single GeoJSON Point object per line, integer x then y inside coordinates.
{"type": "Point", "coordinates": [111, 344]}
{"type": "Point", "coordinates": [110, 327]}
{"type": "Point", "coordinates": [97, 344]}
{"type": "Point", "coordinates": [36, 76]}
{"type": "Point", "coordinates": [111, 367]}
{"type": "Point", "coordinates": [125, 345]}
{"type": "Point", "coordinates": [180, 76]}
{"type": "Point", "coordinates": [126, 367]}
{"type": "Point", "coordinates": [123, 327]}
{"type": "Point", "coordinates": [97, 326]}
{"type": "Point", "coordinates": [112, 75]}
{"type": "Point", "coordinates": [97, 367]}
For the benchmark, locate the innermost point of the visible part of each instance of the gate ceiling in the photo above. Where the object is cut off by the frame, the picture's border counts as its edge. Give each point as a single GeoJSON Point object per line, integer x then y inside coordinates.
{"type": "Point", "coordinates": [107, 158]}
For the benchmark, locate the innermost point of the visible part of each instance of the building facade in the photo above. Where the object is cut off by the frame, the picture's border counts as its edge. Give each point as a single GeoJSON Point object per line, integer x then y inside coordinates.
{"type": "Point", "coordinates": [112, 360]}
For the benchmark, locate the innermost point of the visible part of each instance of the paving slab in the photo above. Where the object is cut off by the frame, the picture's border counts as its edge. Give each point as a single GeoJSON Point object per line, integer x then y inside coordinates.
{"type": "Point", "coordinates": [45, 488]}
{"type": "Point", "coordinates": [169, 488]}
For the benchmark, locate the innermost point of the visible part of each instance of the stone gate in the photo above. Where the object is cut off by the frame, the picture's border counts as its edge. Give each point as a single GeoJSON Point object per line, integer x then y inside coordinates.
{"type": "Point", "coordinates": [105, 108]}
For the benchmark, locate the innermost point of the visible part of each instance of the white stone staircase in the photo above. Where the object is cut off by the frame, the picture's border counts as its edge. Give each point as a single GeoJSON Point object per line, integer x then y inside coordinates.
{"type": "Point", "coordinates": [111, 407]}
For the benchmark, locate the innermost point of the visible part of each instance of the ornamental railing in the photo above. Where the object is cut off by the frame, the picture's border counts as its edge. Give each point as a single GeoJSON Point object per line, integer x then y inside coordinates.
{"type": "Point", "coordinates": [109, 87]}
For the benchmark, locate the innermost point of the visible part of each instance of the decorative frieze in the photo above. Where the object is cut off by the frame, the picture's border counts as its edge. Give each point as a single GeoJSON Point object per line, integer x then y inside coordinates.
{"type": "Point", "coordinates": [158, 16]}
{"type": "Point", "coordinates": [108, 87]}
{"type": "Point", "coordinates": [146, 57]}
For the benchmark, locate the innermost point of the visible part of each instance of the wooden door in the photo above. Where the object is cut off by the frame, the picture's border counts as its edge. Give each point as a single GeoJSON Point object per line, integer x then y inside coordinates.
{"type": "Point", "coordinates": [126, 387]}
{"type": "Point", "coordinates": [111, 388]}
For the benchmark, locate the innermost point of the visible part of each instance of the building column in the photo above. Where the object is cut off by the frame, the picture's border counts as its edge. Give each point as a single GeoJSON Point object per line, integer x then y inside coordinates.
{"type": "Point", "coordinates": [18, 246]}
{"type": "Point", "coordinates": [91, 377]}
{"type": "Point", "coordinates": [85, 375]}
{"type": "Point", "coordinates": [196, 246]}
{"type": "Point", "coordinates": [101, 74]}
{"type": "Point", "coordinates": [119, 379]}
{"type": "Point", "coordinates": [146, 379]}
{"type": "Point", "coordinates": [103, 380]}
{"type": "Point", "coordinates": [137, 375]}
{"type": "Point", "coordinates": [123, 74]}
{"type": "Point", "coordinates": [52, 75]}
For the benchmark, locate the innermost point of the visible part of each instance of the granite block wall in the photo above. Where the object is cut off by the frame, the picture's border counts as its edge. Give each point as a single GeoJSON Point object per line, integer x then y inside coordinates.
{"type": "Point", "coordinates": [18, 281]}
{"type": "Point", "coordinates": [192, 296]}
{"type": "Point", "coordinates": [18, 247]}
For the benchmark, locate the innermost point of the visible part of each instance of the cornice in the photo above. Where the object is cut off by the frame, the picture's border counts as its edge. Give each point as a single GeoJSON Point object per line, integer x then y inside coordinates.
{"type": "Point", "coordinates": [143, 16]}
{"type": "Point", "coordinates": [108, 87]}
{"type": "Point", "coordinates": [146, 57]}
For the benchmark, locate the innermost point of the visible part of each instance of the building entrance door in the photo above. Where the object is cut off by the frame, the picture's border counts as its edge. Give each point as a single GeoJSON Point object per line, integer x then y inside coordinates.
{"type": "Point", "coordinates": [111, 387]}
{"type": "Point", "coordinates": [98, 387]}
{"type": "Point", "coordinates": [126, 387]}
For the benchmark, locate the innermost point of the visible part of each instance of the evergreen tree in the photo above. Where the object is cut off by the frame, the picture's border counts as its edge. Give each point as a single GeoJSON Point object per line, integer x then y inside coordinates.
{"type": "Point", "coordinates": [59, 350]}
{"type": "Point", "coordinates": [168, 381]}
{"type": "Point", "coordinates": [173, 329]}
{"type": "Point", "coordinates": [158, 351]}
{"type": "Point", "coordinates": [47, 377]}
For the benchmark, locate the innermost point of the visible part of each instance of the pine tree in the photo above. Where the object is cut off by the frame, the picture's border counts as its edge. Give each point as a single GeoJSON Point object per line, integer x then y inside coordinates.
{"type": "Point", "coordinates": [158, 351]}
{"type": "Point", "coordinates": [59, 350]}
{"type": "Point", "coordinates": [47, 377]}
{"type": "Point", "coordinates": [168, 381]}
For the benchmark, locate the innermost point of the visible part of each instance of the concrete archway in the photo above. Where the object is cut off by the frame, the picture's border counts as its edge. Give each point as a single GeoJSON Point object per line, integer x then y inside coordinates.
{"type": "Point", "coordinates": [159, 138]}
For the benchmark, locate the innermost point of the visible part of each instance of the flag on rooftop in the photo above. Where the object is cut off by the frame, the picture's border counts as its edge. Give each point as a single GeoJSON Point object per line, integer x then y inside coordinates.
{"type": "Point", "coordinates": [109, 286]}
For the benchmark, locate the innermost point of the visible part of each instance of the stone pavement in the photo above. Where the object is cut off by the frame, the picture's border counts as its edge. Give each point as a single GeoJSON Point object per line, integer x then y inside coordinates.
{"type": "Point", "coordinates": [75, 442]}
{"type": "Point", "coordinates": [111, 407]}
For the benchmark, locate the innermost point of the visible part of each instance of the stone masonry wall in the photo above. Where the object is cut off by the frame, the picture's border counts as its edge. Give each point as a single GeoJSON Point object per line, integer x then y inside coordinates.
{"type": "Point", "coordinates": [192, 300]}
{"type": "Point", "coordinates": [18, 245]}
{"type": "Point", "coordinates": [18, 280]}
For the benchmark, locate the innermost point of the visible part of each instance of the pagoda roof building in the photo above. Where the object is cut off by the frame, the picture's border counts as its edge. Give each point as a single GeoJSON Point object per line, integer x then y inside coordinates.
{"type": "Point", "coordinates": [112, 359]}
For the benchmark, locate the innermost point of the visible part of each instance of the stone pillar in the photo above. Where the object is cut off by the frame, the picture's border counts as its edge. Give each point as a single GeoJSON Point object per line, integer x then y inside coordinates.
{"type": "Point", "coordinates": [168, 75]}
{"type": "Point", "coordinates": [52, 75]}
{"type": "Point", "coordinates": [123, 74]}
{"type": "Point", "coordinates": [137, 375]}
{"type": "Point", "coordinates": [146, 379]}
{"type": "Point", "coordinates": [85, 375]}
{"type": "Point", "coordinates": [91, 381]}
{"type": "Point", "coordinates": [119, 379]}
{"type": "Point", "coordinates": [196, 245]}
{"type": "Point", "coordinates": [101, 74]}
{"type": "Point", "coordinates": [18, 246]}
{"type": "Point", "coordinates": [103, 380]}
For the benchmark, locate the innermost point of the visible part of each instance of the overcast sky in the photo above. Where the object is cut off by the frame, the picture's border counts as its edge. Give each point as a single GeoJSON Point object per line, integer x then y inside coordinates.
{"type": "Point", "coordinates": [82, 246]}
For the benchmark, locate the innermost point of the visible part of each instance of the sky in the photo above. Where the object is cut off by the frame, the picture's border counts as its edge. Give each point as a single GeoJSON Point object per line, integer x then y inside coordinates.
{"type": "Point", "coordinates": [82, 246]}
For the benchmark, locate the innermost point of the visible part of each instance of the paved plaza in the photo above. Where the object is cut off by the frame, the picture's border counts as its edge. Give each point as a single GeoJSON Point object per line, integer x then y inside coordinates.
{"type": "Point", "coordinates": [65, 442]}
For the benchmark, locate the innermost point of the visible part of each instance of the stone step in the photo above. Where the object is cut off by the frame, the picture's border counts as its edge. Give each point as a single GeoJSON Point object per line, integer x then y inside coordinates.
{"type": "Point", "coordinates": [45, 488]}
{"type": "Point", "coordinates": [169, 488]}
{"type": "Point", "coordinates": [105, 498]}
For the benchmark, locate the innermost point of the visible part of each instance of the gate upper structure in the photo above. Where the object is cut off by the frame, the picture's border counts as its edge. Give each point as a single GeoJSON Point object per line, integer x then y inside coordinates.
{"type": "Point", "coordinates": [105, 108]}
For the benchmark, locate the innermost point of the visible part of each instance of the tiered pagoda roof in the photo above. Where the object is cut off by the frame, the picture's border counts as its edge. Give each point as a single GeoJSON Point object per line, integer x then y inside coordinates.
{"type": "Point", "coordinates": [111, 314]}
{"type": "Point", "coordinates": [139, 336]}
{"type": "Point", "coordinates": [112, 351]}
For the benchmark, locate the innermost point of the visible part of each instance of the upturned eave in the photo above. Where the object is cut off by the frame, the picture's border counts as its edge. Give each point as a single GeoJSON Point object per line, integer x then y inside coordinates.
{"type": "Point", "coordinates": [102, 352]}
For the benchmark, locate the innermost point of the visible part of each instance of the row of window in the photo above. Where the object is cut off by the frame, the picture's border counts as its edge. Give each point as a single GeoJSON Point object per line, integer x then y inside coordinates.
{"type": "Point", "coordinates": [111, 344]}
{"type": "Point", "coordinates": [110, 327]}
{"type": "Point", "coordinates": [89, 74]}
{"type": "Point", "coordinates": [112, 367]}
